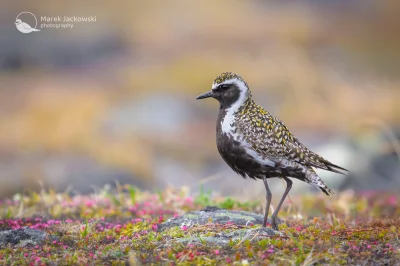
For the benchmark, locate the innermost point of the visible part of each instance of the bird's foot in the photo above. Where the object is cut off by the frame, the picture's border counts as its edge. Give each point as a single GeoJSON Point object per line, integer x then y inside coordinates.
{"type": "Point", "coordinates": [274, 223]}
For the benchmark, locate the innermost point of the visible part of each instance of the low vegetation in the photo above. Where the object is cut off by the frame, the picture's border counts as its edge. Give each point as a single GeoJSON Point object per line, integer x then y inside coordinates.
{"type": "Point", "coordinates": [121, 227]}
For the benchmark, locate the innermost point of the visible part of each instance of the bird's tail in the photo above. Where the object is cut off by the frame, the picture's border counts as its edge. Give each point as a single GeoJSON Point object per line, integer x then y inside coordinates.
{"type": "Point", "coordinates": [313, 179]}
{"type": "Point", "coordinates": [334, 168]}
{"type": "Point", "coordinates": [35, 29]}
{"type": "Point", "coordinates": [326, 190]}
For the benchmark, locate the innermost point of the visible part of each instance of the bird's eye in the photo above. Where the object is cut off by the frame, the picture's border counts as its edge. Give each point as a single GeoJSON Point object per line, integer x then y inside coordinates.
{"type": "Point", "coordinates": [223, 87]}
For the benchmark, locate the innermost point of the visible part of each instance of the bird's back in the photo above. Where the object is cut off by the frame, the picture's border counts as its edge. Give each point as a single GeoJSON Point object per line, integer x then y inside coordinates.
{"type": "Point", "coordinates": [269, 137]}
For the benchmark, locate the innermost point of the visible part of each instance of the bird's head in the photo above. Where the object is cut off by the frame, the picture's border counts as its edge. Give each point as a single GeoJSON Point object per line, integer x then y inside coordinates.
{"type": "Point", "coordinates": [18, 21]}
{"type": "Point", "coordinates": [229, 89]}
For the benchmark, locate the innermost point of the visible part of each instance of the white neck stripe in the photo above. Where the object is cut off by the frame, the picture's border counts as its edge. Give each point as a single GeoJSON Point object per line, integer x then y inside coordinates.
{"type": "Point", "coordinates": [229, 116]}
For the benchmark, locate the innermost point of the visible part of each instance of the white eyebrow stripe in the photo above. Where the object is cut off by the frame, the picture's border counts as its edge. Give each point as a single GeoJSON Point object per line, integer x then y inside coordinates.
{"type": "Point", "coordinates": [242, 86]}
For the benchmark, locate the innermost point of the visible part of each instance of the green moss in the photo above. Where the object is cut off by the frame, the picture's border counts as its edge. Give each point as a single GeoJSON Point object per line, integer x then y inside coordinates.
{"type": "Point", "coordinates": [175, 232]}
{"type": "Point", "coordinates": [109, 232]}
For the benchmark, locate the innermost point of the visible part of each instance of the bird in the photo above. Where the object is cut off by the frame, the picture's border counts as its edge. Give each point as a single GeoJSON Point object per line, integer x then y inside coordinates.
{"type": "Point", "coordinates": [24, 27]}
{"type": "Point", "coordinates": [257, 145]}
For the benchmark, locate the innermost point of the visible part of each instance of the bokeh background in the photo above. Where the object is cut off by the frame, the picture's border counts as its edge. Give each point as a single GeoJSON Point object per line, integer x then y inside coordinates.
{"type": "Point", "coordinates": [114, 100]}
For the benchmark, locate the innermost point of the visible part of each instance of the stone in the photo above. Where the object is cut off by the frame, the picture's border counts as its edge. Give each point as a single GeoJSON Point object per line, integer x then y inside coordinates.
{"type": "Point", "coordinates": [22, 237]}
{"type": "Point", "coordinates": [217, 215]}
{"type": "Point", "coordinates": [221, 216]}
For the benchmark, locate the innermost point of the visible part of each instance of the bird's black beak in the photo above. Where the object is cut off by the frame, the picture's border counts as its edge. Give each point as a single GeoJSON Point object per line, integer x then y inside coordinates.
{"type": "Point", "coordinates": [205, 95]}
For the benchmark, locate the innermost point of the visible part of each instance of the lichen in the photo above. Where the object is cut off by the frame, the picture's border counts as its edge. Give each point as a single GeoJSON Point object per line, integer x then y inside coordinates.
{"type": "Point", "coordinates": [116, 228]}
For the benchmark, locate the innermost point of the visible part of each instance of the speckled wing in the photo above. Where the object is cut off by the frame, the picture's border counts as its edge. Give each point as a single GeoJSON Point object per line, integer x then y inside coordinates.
{"type": "Point", "coordinates": [272, 139]}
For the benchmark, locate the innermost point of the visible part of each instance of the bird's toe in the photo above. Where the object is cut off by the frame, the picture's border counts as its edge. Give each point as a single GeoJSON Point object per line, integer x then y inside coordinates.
{"type": "Point", "coordinates": [274, 223]}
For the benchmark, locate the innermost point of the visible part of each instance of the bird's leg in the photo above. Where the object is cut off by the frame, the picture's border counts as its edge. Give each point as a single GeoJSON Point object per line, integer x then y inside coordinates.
{"type": "Point", "coordinates": [275, 214]}
{"type": "Point", "coordinates": [269, 197]}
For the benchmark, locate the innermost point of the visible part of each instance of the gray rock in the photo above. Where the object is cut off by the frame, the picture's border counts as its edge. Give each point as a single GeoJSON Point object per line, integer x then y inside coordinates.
{"type": "Point", "coordinates": [22, 237]}
{"type": "Point", "coordinates": [220, 216]}
{"type": "Point", "coordinates": [217, 215]}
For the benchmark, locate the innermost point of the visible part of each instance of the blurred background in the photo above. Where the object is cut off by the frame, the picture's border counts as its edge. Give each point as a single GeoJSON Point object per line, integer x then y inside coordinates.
{"type": "Point", "coordinates": [114, 100]}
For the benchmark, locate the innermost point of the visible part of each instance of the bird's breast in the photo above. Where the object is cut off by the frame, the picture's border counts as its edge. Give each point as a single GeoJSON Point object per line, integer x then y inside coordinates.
{"type": "Point", "coordinates": [236, 154]}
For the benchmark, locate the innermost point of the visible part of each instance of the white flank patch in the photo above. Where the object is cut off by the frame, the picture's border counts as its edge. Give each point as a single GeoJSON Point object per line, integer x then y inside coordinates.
{"type": "Point", "coordinates": [260, 159]}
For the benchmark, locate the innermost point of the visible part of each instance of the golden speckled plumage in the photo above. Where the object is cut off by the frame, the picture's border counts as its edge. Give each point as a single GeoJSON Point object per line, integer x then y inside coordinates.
{"type": "Point", "coordinates": [271, 137]}
{"type": "Point", "coordinates": [227, 76]}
